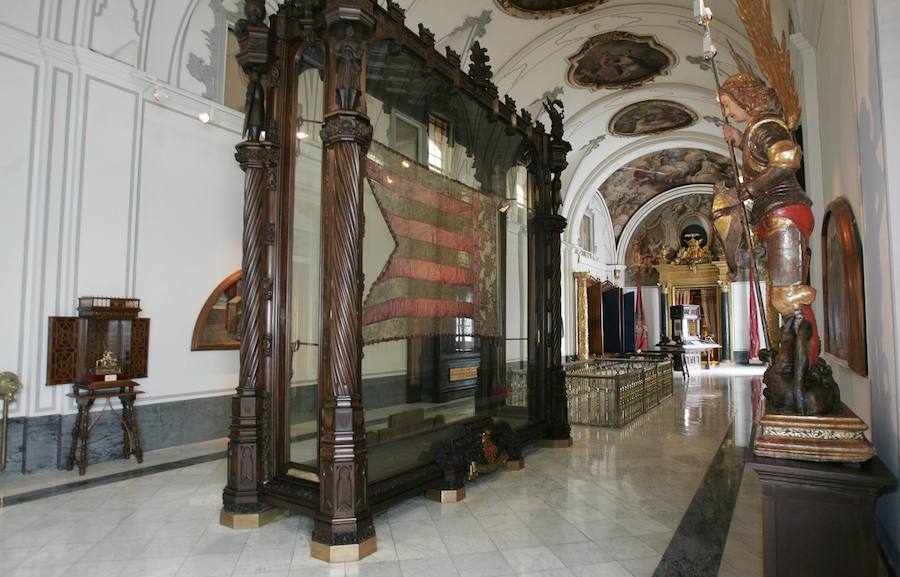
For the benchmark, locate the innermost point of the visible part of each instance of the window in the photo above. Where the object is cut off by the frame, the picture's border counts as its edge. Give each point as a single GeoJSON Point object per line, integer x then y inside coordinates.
{"type": "Point", "coordinates": [585, 239]}
{"type": "Point", "coordinates": [438, 145]}
{"type": "Point", "coordinates": [407, 135]}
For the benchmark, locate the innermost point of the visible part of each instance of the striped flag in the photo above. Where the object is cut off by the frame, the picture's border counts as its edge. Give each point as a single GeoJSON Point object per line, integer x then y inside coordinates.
{"type": "Point", "coordinates": [441, 278]}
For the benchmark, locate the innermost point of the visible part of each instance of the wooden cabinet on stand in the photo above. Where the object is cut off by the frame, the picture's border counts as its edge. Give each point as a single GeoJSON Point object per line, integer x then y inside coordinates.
{"type": "Point", "coordinates": [100, 353]}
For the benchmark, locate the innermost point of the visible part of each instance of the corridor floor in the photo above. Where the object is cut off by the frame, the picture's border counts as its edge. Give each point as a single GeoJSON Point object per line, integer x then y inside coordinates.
{"type": "Point", "coordinates": [658, 498]}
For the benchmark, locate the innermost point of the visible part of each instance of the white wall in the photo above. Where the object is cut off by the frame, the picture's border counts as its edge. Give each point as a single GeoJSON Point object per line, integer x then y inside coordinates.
{"type": "Point", "coordinates": [850, 57]}
{"type": "Point", "coordinates": [105, 191]}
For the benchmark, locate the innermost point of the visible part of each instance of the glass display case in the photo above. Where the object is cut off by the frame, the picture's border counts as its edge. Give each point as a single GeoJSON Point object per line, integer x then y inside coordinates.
{"type": "Point", "coordinates": [401, 244]}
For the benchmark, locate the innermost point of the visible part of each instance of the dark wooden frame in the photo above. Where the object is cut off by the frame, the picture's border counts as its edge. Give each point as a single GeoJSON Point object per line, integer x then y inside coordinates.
{"type": "Point", "coordinates": [203, 318]}
{"type": "Point", "coordinates": [840, 214]}
{"type": "Point", "coordinates": [258, 466]}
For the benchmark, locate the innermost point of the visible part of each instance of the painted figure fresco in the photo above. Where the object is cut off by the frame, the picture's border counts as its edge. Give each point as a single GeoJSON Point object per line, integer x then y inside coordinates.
{"type": "Point", "coordinates": [651, 117]}
{"type": "Point", "coordinates": [630, 187]}
{"type": "Point", "coordinates": [619, 60]}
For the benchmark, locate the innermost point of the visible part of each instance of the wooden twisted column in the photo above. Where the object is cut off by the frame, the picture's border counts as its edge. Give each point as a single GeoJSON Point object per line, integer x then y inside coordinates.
{"type": "Point", "coordinates": [247, 438]}
{"type": "Point", "coordinates": [344, 530]}
{"type": "Point", "coordinates": [550, 229]}
{"type": "Point", "coordinates": [242, 492]}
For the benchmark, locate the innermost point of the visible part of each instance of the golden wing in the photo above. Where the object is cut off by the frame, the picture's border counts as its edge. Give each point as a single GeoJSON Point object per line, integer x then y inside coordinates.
{"type": "Point", "coordinates": [774, 59]}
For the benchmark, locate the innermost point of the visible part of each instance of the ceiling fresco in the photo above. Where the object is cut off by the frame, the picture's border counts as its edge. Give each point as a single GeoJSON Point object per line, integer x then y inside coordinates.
{"type": "Point", "coordinates": [547, 8]}
{"type": "Point", "coordinates": [651, 117]}
{"type": "Point", "coordinates": [630, 187]}
{"type": "Point", "coordinates": [617, 60]}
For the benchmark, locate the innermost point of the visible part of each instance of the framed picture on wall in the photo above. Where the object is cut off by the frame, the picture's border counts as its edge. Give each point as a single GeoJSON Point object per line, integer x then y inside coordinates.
{"type": "Point", "coordinates": [219, 322]}
{"type": "Point", "coordinates": [844, 333]}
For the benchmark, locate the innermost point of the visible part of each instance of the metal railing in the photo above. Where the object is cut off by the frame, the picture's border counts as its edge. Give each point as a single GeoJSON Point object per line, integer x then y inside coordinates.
{"type": "Point", "coordinates": [615, 392]}
{"type": "Point", "coordinates": [605, 392]}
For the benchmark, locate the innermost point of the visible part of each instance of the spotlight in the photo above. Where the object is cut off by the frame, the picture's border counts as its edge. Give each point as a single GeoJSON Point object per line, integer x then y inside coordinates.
{"type": "Point", "coordinates": [204, 117]}
{"type": "Point", "coordinates": [504, 208]}
{"type": "Point", "coordinates": [406, 164]}
{"type": "Point", "coordinates": [301, 135]}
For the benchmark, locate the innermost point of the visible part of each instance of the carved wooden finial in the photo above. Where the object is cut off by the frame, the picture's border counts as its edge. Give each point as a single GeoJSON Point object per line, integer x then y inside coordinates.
{"type": "Point", "coordinates": [426, 35]}
{"type": "Point", "coordinates": [510, 103]}
{"type": "Point", "coordinates": [526, 116]}
{"type": "Point", "coordinates": [395, 11]}
{"type": "Point", "coordinates": [454, 57]}
{"type": "Point", "coordinates": [479, 69]}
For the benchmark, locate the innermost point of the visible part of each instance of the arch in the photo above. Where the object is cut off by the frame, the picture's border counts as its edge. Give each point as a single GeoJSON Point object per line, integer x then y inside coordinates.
{"type": "Point", "coordinates": [575, 204]}
{"type": "Point", "coordinates": [657, 201]}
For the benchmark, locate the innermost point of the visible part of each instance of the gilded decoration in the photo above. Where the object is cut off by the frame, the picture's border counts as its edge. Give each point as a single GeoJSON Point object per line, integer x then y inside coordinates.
{"type": "Point", "coordinates": [547, 8]}
{"type": "Point", "coordinates": [651, 117]}
{"type": "Point", "coordinates": [617, 60]}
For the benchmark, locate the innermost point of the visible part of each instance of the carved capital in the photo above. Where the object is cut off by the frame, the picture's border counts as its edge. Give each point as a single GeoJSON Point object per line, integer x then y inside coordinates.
{"type": "Point", "coordinates": [251, 154]}
{"type": "Point", "coordinates": [347, 128]}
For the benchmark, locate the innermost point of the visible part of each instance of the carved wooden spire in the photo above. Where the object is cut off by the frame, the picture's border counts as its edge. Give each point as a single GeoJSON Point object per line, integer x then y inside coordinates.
{"type": "Point", "coordinates": [480, 70]}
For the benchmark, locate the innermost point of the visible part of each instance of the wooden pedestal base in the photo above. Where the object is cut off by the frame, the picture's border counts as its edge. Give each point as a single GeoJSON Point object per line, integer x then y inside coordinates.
{"type": "Point", "coordinates": [248, 521]}
{"type": "Point", "coordinates": [838, 439]}
{"type": "Point", "coordinates": [819, 518]}
{"type": "Point", "coordinates": [343, 553]}
{"type": "Point", "coordinates": [515, 465]}
{"type": "Point", "coordinates": [446, 495]}
{"type": "Point", "coordinates": [555, 443]}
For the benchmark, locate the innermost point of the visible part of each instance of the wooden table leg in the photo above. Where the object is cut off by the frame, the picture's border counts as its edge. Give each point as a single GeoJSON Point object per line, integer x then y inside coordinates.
{"type": "Point", "coordinates": [76, 430]}
{"type": "Point", "coordinates": [130, 430]}
{"type": "Point", "coordinates": [85, 435]}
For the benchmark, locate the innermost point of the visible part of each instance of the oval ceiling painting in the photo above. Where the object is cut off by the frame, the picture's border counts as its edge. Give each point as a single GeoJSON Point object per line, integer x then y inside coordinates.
{"type": "Point", "coordinates": [619, 60]}
{"type": "Point", "coordinates": [547, 8]}
{"type": "Point", "coordinates": [651, 117]}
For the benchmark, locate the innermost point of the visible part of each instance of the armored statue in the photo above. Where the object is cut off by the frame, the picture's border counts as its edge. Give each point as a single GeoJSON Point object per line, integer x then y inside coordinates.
{"type": "Point", "coordinates": [798, 381]}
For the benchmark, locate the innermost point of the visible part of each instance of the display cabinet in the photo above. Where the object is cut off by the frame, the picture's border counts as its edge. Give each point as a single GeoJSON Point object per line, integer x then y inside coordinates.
{"type": "Point", "coordinates": [100, 353]}
{"type": "Point", "coordinates": [401, 257]}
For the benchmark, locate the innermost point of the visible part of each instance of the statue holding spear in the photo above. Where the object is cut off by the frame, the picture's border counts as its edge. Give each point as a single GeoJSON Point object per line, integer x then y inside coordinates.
{"type": "Point", "coordinates": [797, 381]}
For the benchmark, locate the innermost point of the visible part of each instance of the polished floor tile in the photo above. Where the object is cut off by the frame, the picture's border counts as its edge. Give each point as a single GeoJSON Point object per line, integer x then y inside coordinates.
{"type": "Point", "coordinates": [609, 506]}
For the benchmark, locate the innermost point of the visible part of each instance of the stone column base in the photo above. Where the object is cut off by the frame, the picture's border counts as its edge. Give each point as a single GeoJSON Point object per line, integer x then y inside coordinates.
{"type": "Point", "coordinates": [555, 443]}
{"type": "Point", "coordinates": [446, 495]}
{"type": "Point", "coordinates": [248, 520]}
{"type": "Point", "coordinates": [343, 553]}
{"type": "Point", "coordinates": [515, 465]}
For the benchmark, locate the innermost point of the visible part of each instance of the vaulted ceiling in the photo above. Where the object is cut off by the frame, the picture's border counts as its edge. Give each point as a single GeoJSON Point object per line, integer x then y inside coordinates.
{"type": "Point", "coordinates": [571, 50]}
{"type": "Point", "coordinates": [602, 58]}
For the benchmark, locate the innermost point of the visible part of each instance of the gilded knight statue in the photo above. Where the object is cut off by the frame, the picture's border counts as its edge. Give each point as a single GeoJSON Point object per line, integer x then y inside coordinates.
{"type": "Point", "coordinates": [797, 380]}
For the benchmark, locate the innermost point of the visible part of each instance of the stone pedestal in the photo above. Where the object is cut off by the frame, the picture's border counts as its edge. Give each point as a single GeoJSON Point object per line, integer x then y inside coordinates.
{"type": "Point", "coordinates": [819, 518]}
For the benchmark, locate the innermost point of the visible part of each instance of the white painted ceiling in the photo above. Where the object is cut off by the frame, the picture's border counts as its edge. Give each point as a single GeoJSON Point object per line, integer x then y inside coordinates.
{"type": "Point", "coordinates": [179, 43]}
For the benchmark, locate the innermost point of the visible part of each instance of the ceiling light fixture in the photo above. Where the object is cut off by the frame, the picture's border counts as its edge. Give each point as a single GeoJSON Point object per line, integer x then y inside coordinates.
{"type": "Point", "coordinates": [204, 117]}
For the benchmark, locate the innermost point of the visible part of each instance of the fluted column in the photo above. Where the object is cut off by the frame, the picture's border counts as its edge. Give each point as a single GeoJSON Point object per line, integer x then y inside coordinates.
{"type": "Point", "coordinates": [581, 307]}
{"type": "Point", "coordinates": [344, 530]}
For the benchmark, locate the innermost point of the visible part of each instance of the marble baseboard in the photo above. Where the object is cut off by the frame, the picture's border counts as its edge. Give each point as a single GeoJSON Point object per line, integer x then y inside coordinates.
{"type": "Point", "coordinates": [742, 357]}
{"type": "Point", "coordinates": [41, 443]}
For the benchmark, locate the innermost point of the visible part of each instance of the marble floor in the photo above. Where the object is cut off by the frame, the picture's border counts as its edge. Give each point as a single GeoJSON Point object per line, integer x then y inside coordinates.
{"type": "Point", "coordinates": [620, 503]}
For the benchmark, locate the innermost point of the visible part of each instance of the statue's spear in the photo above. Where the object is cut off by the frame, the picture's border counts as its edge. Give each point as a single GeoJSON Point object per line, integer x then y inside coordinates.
{"type": "Point", "coordinates": [703, 15]}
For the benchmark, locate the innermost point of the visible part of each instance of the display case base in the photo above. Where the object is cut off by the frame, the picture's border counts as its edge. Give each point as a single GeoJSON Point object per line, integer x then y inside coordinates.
{"type": "Point", "coordinates": [248, 521]}
{"type": "Point", "coordinates": [838, 439]}
{"type": "Point", "coordinates": [446, 495]}
{"type": "Point", "coordinates": [555, 443]}
{"type": "Point", "coordinates": [515, 465]}
{"type": "Point", "coordinates": [343, 553]}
